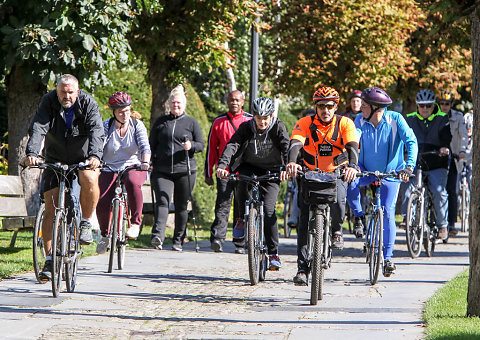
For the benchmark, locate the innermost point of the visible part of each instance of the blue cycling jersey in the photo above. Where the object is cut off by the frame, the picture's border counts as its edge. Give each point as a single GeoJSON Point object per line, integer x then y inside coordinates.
{"type": "Point", "coordinates": [382, 147]}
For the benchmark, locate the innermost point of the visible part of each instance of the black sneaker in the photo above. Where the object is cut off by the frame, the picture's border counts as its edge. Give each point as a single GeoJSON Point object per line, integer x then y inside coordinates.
{"type": "Point", "coordinates": [337, 241]}
{"type": "Point", "coordinates": [86, 236]}
{"type": "Point", "coordinates": [46, 273]}
{"type": "Point", "coordinates": [216, 246]}
{"type": "Point", "coordinates": [300, 279]}
{"type": "Point", "coordinates": [358, 227]}
{"type": "Point", "coordinates": [388, 268]}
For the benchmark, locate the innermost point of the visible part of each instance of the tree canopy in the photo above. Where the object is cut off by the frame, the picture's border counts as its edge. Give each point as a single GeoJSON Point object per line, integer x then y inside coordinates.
{"type": "Point", "coordinates": [51, 37]}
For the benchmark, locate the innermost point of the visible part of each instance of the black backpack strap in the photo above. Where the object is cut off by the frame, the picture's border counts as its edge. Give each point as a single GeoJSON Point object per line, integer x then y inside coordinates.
{"type": "Point", "coordinates": [231, 122]}
{"type": "Point", "coordinates": [134, 121]}
{"type": "Point", "coordinates": [337, 128]}
{"type": "Point", "coordinates": [313, 131]}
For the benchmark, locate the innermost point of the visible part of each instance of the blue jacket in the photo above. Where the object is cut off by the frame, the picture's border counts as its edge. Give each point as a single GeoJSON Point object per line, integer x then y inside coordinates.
{"type": "Point", "coordinates": [382, 147]}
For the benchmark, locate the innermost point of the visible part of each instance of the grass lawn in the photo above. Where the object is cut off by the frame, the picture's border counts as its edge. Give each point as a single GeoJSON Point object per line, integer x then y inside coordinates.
{"type": "Point", "coordinates": [19, 259]}
{"type": "Point", "coordinates": [445, 312]}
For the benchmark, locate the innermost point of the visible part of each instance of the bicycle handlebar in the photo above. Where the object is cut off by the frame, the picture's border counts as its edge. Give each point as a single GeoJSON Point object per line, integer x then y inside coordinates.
{"type": "Point", "coordinates": [254, 178]}
{"type": "Point", "coordinates": [125, 170]}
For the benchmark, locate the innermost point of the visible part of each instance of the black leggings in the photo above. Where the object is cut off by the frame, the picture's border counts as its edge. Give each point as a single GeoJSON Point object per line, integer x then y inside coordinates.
{"type": "Point", "coordinates": [163, 185]}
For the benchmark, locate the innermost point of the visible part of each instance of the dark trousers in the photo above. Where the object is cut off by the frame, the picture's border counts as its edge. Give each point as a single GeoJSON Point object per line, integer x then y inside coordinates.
{"type": "Point", "coordinates": [337, 213]}
{"type": "Point", "coordinates": [269, 194]}
{"type": "Point", "coordinates": [452, 181]}
{"type": "Point", "coordinates": [163, 185]}
{"type": "Point", "coordinates": [225, 193]}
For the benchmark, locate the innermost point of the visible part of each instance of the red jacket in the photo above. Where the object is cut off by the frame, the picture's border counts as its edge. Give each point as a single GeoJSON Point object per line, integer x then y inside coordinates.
{"type": "Point", "coordinates": [219, 135]}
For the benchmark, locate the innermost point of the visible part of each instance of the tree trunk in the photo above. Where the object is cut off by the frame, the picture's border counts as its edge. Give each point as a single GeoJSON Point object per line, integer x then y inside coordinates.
{"type": "Point", "coordinates": [23, 96]}
{"type": "Point", "coordinates": [158, 71]}
{"type": "Point", "coordinates": [473, 297]}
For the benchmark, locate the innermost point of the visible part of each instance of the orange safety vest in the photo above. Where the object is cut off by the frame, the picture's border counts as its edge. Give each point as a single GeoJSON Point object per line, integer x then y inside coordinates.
{"type": "Point", "coordinates": [324, 145]}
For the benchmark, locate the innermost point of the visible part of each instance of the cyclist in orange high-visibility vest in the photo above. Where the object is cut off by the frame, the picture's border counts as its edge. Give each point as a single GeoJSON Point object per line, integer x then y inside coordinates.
{"type": "Point", "coordinates": [330, 143]}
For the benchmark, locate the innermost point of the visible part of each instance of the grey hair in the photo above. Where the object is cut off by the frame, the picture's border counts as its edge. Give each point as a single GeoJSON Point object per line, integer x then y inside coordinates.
{"type": "Point", "coordinates": [67, 79]}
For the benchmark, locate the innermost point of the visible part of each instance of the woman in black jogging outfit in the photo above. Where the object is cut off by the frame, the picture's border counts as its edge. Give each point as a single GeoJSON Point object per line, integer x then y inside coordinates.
{"type": "Point", "coordinates": [170, 137]}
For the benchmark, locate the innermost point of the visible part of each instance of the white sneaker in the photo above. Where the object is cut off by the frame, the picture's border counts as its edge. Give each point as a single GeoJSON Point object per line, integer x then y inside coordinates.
{"type": "Point", "coordinates": [103, 245]}
{"type": "Point", "coordinates": [133, 231]}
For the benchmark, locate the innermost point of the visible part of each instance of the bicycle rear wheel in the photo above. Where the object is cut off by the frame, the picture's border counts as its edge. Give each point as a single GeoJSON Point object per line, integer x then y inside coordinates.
{"type": "Point", "coordinates": [317, 268]}
{"type": "Point", "coordinates": [58, 249]}
{"type": "Point", "coordinates": [38, 249]}
{"type": "Point", "coordinates": [254, 255]}
{"type": "Point", "coordinates": [415, 225]}
{"type": "Point", "coordinates": [376, 245]}
{"type": "Point", "coordinates": [122, 238]}
{"type": "Point", "coordinates": [287, 211]}
{"type": "Point", "coordinates": [431, 230]}
{"type": "Point", "coordinates": [114, 233]}
{"type": "Point", "coordinates": [73, 248]}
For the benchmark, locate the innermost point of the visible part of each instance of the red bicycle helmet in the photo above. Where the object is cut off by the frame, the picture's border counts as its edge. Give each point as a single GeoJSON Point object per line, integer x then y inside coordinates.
{"type": "Point", "coordinates": [326, 93]}
{"type": "Point", "coordinates": [119, 99]}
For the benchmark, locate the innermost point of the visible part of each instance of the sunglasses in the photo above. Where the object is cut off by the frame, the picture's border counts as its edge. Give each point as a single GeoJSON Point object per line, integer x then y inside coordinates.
{"type": "Point", "coordinates": [326, 106]}
{"type": "Point", "coordinates": [425, 106]}
{"type": "Point", "coordinates": [445, 103]}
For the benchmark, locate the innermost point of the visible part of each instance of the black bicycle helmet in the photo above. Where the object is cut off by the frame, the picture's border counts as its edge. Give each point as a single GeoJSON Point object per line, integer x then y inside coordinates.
{"type": "Point", "coordinates": [425, 97]}
{"type": "Point", "coordinates": [263, 107]}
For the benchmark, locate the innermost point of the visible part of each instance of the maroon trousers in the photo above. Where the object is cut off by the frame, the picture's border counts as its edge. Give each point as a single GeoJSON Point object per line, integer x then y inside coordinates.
{"type": "Point", "coordinates": [133, 184]}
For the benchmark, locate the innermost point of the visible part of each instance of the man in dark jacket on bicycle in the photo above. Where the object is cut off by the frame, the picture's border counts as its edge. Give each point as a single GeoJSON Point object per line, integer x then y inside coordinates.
{"type": "Point", "coordinates": [329, 143]}
{"type": "Point", "coordinates": [432, 129]}
{"type": "Point", "coordinates": [69, 120]}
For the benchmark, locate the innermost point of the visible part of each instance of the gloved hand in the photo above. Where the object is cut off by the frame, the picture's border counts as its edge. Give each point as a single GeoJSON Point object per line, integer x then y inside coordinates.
{"type": "Point", "coordinates": [405, 174]}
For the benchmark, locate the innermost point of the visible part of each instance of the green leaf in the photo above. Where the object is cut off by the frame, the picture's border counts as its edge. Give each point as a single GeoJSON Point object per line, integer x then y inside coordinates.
{"type": "Point", "coordinates": [88, 42]}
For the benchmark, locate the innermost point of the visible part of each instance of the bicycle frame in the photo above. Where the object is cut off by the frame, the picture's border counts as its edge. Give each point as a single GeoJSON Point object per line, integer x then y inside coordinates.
{"type": "Point", "coordinates": [257, 258]}
{"type": "Point", "coordinates": [64, 232]}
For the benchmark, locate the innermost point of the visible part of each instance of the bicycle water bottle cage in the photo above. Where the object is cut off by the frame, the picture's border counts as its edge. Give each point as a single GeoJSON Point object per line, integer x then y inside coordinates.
{"type": "Point", "coordinates": [319, 187]}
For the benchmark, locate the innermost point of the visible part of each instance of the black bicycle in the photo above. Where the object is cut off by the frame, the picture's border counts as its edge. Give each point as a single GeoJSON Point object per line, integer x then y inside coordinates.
{"type": "Point", "coordinates": [254, 217]}
{"type": "Point", "coordinates": [319, 190]}
{"type": "Point", "coordinates": [66, 249]}
{"type": "Point", "coordinates": [421, 217]}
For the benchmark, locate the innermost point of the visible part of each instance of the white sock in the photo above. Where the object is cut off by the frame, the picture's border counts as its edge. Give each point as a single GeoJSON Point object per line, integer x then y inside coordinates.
{"type": "Point", "coordinates": [89, 220]}
{"type": "Point", "coordinates": [48, 258]}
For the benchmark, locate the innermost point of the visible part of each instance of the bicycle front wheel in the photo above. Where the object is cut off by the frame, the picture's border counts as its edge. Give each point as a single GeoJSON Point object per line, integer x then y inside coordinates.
{"type": "Point", "coordinates": [122, 238]}
{"type": "Point", "coordinates": [376, 246]}
{"type": "Point", "coordinates": [415, 225]}
{"type": "Point", "coordinates": [58, 250]}
{"type": "Point", "coordinates": [317, 268]}
{"type": "Point", "coordinates": [254, 255]}
{"type": "Point", "coordinates": [38, 249]}
{"type": "Point", "coordinates": [116, 218]}
{"type": "Point", "coordinates": [73, 250]}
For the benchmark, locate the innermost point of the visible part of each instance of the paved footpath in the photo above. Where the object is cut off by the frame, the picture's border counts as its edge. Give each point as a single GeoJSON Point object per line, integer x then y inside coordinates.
{"type": "Point", "coordinates": [165, 294]}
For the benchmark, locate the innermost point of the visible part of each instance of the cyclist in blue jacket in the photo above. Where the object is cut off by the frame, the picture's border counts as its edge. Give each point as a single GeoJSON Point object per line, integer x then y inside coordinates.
{"type": "Point", "coordinates": [383, 135]}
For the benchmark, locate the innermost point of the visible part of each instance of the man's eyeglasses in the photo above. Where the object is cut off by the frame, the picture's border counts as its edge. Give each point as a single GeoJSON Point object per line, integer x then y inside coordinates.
{"type": "Point", "coordinates": [326, 106]}
{"type": "Point", "coordinates": [425, 106]}
{"type": "Point", "coordinates": [444, 103]}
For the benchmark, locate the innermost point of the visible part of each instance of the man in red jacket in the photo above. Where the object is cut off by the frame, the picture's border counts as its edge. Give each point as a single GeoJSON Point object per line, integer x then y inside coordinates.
{"type": "Point", "coordinates": [221, 131]}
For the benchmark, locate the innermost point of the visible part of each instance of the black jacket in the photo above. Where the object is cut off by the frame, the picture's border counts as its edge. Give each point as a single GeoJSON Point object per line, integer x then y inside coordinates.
{"type": "Point", "coordinates": [84, 140]}
{"type": "Point", "coordinates": [236, 150]}
{"type": "Point", "coordinates": [166, 137]}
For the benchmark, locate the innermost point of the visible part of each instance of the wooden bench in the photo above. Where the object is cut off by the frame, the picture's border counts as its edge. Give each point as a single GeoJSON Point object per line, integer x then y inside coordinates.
{"type": "Point", "coordinates": [13, 209]}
